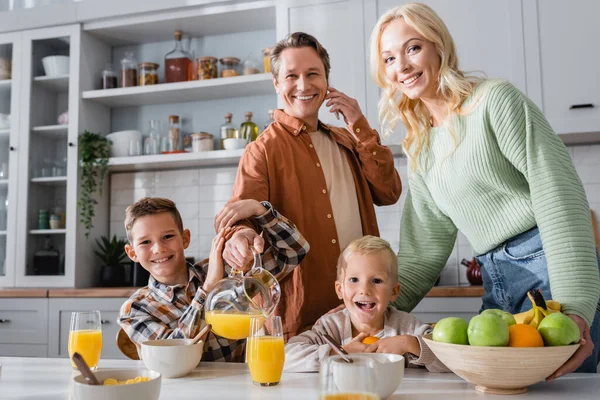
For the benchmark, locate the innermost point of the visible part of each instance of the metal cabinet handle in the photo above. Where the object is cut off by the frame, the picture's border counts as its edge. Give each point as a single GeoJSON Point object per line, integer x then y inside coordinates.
{"type": "Point", "coordinates": [104, 321]}
{"type": "Point", "coordinates": [71, 144]}
{"type": "Point", "coordinates": [12, 148]}
{"type": "Point", "coordinates": [4, 321]}
{"type": "Point", "coordinates": [576, 106]}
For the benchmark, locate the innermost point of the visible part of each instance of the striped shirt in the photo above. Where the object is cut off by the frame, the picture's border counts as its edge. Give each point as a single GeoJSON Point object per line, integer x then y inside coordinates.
{"type": "Point", "coordinates": [160, 311]}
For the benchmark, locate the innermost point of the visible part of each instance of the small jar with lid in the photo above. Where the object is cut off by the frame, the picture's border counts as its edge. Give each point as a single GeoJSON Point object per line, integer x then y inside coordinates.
{"type": "Point", "coordinates": [202, 141]}
{"type": "Point", "coordinates": [251, 66]}
{"type": "Point", "coordinates": [148, 74]}
{"type": "Point", "coordinates": [128, 70]}
{"type": "Point", "coordinates": [109, 78]}
{"type": "Point", "coordinates": [229, 67]}
{"type": "Point", "coordinates": [174, 130]}
{"type": "Point", "coordinates": [206, 67]}
{"type": "Point", "coordinates": [267, 59]}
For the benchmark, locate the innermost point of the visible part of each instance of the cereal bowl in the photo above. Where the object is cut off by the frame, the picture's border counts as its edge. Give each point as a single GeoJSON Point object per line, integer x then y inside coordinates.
{"type": "Point", "coordinates": [173, 358]}
{"type": "Point", "coordinates": [388, 370]}
{"type": "Point", "coordinates": [501, 370]}
{"type": "Point", "coordinates": [149, 390]}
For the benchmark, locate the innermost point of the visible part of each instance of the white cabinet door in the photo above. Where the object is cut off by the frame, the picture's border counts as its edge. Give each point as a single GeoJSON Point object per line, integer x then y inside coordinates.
{"type": "Point", "coordinates": [23, 321]}
{"type": "Point", "coordinates": [60, 316]}
{"type": "Point", "coordinates": [562, 62]}
{"type": "Point", "coordinates": [338, 26]}
{"type": "Point", "coordinates": [488, 36]}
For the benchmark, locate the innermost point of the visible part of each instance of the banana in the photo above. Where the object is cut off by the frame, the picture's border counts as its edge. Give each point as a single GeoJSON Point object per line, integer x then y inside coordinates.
{"type": "Point", "coordinates": [539, 310]}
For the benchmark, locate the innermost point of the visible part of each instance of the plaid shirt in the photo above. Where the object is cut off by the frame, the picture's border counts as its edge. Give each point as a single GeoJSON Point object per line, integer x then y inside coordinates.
{"type": "Point", "coordinates": [160, 311]}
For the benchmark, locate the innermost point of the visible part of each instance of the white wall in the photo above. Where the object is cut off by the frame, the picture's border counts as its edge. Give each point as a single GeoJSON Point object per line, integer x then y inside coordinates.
{"type": "Point", "coordinates": [200, 193]}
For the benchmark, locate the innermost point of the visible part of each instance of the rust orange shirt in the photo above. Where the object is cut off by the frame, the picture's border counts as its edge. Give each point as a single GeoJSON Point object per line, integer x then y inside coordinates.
{"type": "Point", "coordinates": [282, 167]}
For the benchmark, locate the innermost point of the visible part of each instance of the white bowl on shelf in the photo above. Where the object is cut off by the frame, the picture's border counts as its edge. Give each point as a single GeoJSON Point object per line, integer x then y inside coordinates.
{"type": "Point", "coordinates": [234, 143]}
{"type": "Point", "coordinates": [56, 65]}
{"type": "Point", "coordinates": [120, 142]}
{"type": "Point", "coordinates": [173, 358]}
{"type": "Point", "coordinates": [149, 390]}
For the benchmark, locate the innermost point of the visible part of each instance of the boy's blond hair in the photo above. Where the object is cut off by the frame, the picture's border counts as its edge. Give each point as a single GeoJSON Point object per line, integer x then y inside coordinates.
{"type": "Point", "coordinates": [368, 245]}
{"type": "Point", "coordinates": [150, 206]}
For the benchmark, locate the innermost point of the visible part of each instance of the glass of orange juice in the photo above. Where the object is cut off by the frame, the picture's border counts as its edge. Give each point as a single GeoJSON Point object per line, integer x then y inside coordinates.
{"type": "Point", "coordinates": [85, 337]}
{"type": "Point", "coordinates": [265, 353]}
{"type": "Point", "coordinates": [347, 381]}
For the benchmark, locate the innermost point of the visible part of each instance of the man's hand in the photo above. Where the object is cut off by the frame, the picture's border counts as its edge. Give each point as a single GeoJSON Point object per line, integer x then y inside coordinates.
{"type": "Point", "coordinates": [341, 103]}
{"type": "Point", "coordinates": [237, 251]}
{"type": "Point", "coordinates": [237, 211]}
{"type": "Point", "coordinates": [215, 261]}
{"type": "Point", "coordinates": [584, 351]}
{"type": "Point", "coordinates": [356, 345]}
{"type": "Point", "coordinates": [400, 344]}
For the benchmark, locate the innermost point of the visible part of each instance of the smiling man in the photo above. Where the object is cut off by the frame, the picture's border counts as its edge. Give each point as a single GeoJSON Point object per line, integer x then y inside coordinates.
{"type": "Point", "coordinates": [325, 179]}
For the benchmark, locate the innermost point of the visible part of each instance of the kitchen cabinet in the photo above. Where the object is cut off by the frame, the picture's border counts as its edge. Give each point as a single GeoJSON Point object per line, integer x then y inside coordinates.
{"type": "Point", "coordinates": [337, 25]}
{"type": "Point", "coordinates": [432, 309]}
{"type": "Point", "coordinates": [23, 327]}
{"type": "Point", "coordinates": [562, 63]}
{"type": "Point", "coordinates": [59, 316]}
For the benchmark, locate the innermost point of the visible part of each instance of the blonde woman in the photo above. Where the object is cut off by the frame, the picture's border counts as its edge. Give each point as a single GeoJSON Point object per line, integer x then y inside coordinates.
{"type": "Point", "coordinates": [483, 160]}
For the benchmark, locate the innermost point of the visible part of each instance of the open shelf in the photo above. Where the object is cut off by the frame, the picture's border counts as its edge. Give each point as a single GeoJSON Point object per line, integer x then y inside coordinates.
{"type": "Point", "coordinates": [51, 181]}
{"type": "Point", "coordinates": [57, 131]}
{"type": "Point", "coordinates": [175, 161]}
{"type": "Point", "coordinates": [47, 231]}
{"type": "Point", "coordinates": [53, 83]}
{"type": "Point", "coordinates": [216, 19]}
{"type": "Point", "coordinates": [180, 92]}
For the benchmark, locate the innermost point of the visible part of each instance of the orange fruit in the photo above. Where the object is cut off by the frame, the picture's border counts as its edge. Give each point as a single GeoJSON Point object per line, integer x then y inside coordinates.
{"type": "Point", "coordinates": [522, 335]}
{"type": "Point", "coordinates": [370, 340]}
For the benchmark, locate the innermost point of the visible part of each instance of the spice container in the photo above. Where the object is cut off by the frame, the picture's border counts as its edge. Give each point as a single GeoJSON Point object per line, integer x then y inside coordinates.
{"type": "Point", "coordinates": [228, 130]}
{"type": "Point", "coordinates": [148, 74]}
{"type": "Point", "coordinates": [178, 63]}
{"type": "Point", "coordinates": [202, 142]}
{"type": "Point", "coordinates": [128, 70]}
{"type": "Point", "coordinates": [229, 66]}
{"type": "Point", "coordinates": [267, 59]}
{"type": "Point", "coordinates": [206, 68]}
{"type": "Point", "coordinates": [109, 78]}
{"type": "Point", "coordinates": [54, 222]}
{"type": "Point", "coordinates": [251, 66]}
{"type": "Point", "coordinates": [174, 129]}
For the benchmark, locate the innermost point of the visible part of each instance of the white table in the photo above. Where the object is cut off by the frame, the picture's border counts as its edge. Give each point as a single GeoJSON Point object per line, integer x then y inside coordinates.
{"type": "Point", "coordinates": [49, 379]}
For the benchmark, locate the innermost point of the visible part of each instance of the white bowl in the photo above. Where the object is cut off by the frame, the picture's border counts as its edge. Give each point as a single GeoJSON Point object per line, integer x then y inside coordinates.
{"type": "Point", "coordinates": [173, 358]}
{"type": "Point", "coordinates": [149, 390]}
{"type": "Point", "coordinates": [389, 372]}
{"type": "Point", "coordinates": [234, 143]}
{"type": "Point", "coordinates": [56, 65]}
{"type": "Point", "coordinates": [120, 142]}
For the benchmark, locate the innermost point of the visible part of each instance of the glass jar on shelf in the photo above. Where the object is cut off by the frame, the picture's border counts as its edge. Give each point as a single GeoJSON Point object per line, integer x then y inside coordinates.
{"type": "Point", "coordinates": [128, 70]}
{"type": "Point", "coordinates": [206, 68]}
{"type": "Point", "coordinates": [43, 219]}
{"type": "Point", "coordinates": [202, 141]}
{"type": "Point", "coordinates": [271, 120]}
{"type": "Point", "coordinates": [228, 130]}
{"type": "Point", "coordinates": [251, 66]}
{"type": "Point", "coordinates": [174, 133]}
{"type": "Point", "coordinates": [248, 129]}
{"type": "Point", "coordinates": [229, 67]}
{"type": "Point", "coordinates": [109, 77]}
{"type": "Point", "coordinates": [267, 59]}
{"type": "Point", "coordinates": [148, 73]}
{"type": "Point", "coordinates": [178, 62]}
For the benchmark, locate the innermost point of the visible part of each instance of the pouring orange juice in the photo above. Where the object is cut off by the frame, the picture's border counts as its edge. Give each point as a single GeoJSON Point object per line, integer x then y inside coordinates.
{"type": "Point", "coordinates": [85, 337]}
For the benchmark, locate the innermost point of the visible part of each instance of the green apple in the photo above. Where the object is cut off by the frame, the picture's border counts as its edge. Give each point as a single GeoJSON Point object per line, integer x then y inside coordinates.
{"type": "Point", "coordinates": [506, 316]}
{"type": "Point", "coordinates": [451, 330]}
{"type": "Point", "coordinates": [557, 329]}
{"type": "Point", "coordinates": [487, 330]}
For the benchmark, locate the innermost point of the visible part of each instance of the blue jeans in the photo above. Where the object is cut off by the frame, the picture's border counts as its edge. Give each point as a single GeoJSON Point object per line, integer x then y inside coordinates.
{"type": "Point", "coordinates": [517, 266]}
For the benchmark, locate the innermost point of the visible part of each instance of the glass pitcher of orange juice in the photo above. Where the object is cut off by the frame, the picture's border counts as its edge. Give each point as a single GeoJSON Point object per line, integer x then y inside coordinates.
{"type": "Point", "coordinates": [239, 297]}
{"type": "Point", "coordinates": [85, 337]}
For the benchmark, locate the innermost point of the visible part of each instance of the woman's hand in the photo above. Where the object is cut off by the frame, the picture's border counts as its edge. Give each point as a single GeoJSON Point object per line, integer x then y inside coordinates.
{"type": "Point", "coordinates": [584, 351]}
{"type": "Point", "coordinates": [215, 261]}
{"type": "Point", "coordinates": [237, 211]}
{"type": "Point", "coordinates": [341, 103]}
{"type": "Point", "coordinates": [400, 344]}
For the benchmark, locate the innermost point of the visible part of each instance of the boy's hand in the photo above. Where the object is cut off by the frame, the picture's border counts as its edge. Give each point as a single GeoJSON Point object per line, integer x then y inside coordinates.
{"type": "Point", "coordinates": [400, 344]}
{"type": "Point", "coordinates": [237, 211]}
{"type": "Point", "coordinates": [215, 261]}
{"type": "Point", "coordinates": [356, 345]}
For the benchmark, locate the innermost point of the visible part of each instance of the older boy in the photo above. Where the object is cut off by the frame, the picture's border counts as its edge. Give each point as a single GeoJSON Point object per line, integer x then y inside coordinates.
{"type": "Point", "coordinates": [367, 282]}
{"type": "Point", "coordinates": [172, 304]}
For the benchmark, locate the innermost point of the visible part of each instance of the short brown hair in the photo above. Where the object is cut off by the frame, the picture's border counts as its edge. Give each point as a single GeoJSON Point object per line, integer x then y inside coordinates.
{"type": "Point", "coordinates": [368, 245]}
{"type": "Point", "coordinates": [298, 40]}
{"type": "Point", "coordinates": [150, 206]}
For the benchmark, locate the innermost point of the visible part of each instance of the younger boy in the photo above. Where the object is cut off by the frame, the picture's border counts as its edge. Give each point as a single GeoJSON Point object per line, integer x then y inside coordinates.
{"type": "Point", "coordinates": [367, 282]}
{"type": "Point", "coordinates": [172, 304]}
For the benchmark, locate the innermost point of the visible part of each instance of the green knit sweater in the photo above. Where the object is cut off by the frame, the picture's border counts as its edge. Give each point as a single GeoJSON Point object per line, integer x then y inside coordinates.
{"type": "Point", "coordinates": [509, 173]}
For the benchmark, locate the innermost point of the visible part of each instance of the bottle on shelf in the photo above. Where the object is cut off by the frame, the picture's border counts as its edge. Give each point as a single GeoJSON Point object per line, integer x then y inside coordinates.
{"type": "Point", "coordinates": [174, 133]}
{"type": "Point", "coordinates": [128, 70]}
{"type": "Point", "coordinates": [178, 62]}
{"type": "Point", "coordinates": [109, 78]}
{"type": "Point", "coordinates": [271, 120]}
{"type": "Point", "coordinates": [43, 219]}
{"type": "Point", "coordinates": [228, 130]}
{"type": "Point", "coordinates": [248, 129]}
{"type": "Point", "coordinates": [46, 261]}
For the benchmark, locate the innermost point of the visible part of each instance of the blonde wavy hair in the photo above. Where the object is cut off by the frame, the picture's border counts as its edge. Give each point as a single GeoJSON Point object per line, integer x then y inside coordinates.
{"type": "Point", "coordinates": [454, 85]}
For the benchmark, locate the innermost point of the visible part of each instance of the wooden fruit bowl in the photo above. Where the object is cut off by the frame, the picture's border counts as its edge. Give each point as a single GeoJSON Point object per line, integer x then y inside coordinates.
{"type": "Point", "coordinates": [501, 370]}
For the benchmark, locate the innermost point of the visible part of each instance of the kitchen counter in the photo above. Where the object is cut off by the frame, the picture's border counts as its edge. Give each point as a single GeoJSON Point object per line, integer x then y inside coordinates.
{"type": "Point", "coordinates": [438, 291]}
{"type": "Point", "coordinates": [50, 379]}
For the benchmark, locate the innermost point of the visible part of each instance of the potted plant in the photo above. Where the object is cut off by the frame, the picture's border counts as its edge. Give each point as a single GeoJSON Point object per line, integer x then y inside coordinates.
{"type": "Point", "coordinates": [113, 256]}
{"type": "Point", "coordinates": [93, 155]}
